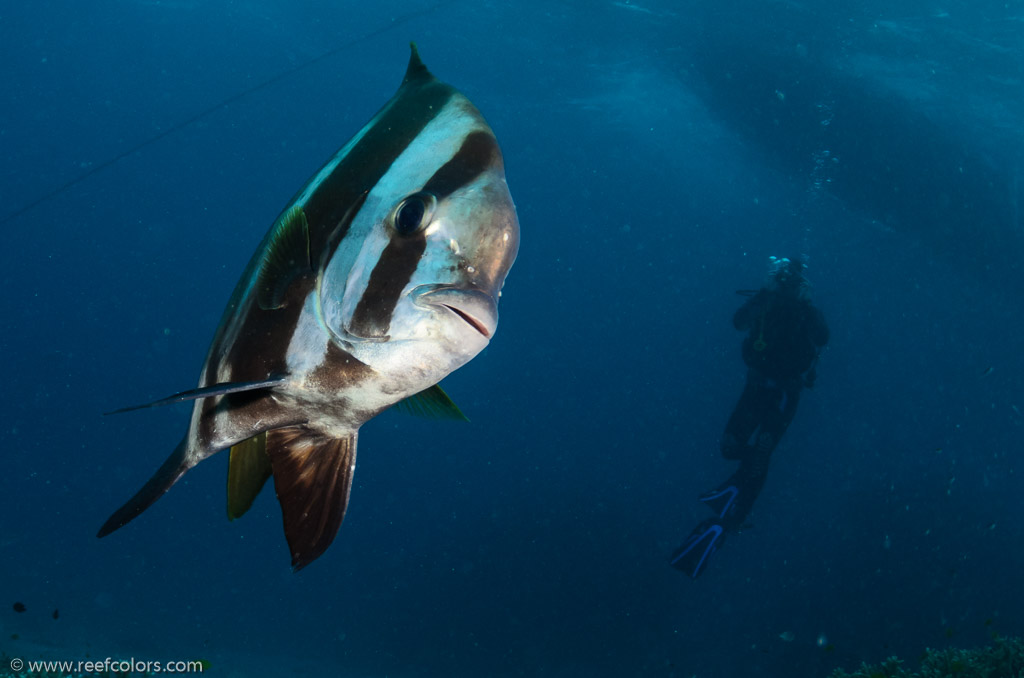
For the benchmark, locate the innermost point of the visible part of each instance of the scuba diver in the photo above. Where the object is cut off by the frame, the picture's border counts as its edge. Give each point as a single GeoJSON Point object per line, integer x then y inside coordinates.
{"type": "Point", "coordinates": [785, 335]}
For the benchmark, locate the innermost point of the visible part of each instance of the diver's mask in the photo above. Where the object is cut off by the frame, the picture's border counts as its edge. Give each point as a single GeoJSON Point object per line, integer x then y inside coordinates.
{"type": "Point", "coordinates": [785, 275]}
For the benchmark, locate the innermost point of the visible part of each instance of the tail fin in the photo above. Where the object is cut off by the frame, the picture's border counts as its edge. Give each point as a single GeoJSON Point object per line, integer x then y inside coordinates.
{"type": "Point", "coordinates": [313, 480]}
{"type": "Point", "coordinates": [166, 475]}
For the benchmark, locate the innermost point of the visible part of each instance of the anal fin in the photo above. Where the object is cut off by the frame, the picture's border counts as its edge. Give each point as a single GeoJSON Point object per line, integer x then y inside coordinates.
{"type": "Point", "coordinates": [313, 480]}
{"type": "Point", "coordinates": [248, 471]}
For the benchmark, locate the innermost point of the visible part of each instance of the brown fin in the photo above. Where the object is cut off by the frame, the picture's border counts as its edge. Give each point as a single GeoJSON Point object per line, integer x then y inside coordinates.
{"type": "Point", "coordinates": [165, 476]}
{"type": "Point", "coordinates": [248, 470]}
{"type": "Point", "coordinates": [313, 479]}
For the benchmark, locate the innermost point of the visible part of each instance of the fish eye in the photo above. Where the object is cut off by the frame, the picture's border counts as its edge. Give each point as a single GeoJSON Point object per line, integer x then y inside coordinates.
{"type": "Point", "coordinates": [413, 214]}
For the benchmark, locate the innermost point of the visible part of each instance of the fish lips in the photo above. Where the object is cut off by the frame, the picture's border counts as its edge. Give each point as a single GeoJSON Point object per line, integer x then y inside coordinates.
{"type": "Point", "coordinates": [477, 309]}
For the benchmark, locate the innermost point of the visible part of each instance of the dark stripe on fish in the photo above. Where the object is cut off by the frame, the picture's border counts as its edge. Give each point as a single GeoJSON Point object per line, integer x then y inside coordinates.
{"type": "Point", "coordinates": [372, 317]}
{"type": "Point", "coordinates": [335, 238]}
{"type": "Point", "coordinates": [398, 261]}
{"type": "Point", "coordinates": [329, 210]}
{"type": "Point", "coordinates": [479, 152]}
{"type": "Point", "coordinates": [415, 105]}
{"type": "Point", "coordinates": [338, 369]}
{"type": "Point", "coordinates": [268, 332]}
{"type": "Point", "coordinates": [261, 347]}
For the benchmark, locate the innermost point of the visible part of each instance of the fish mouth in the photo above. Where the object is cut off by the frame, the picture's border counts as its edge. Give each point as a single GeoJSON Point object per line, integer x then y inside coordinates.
{"type": "Point", "coordinates": [477, 309]}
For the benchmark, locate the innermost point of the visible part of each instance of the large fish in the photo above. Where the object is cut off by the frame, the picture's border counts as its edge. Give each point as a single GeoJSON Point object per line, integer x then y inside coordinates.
{"type": "Point", "coordinates": [379, 279]}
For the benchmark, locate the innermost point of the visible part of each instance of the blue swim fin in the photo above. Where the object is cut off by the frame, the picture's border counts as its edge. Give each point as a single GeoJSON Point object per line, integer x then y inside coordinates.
{"type": "Point", "coordinates": [721, 499]}
{"type": "Point", "coordinates": [693, 555]}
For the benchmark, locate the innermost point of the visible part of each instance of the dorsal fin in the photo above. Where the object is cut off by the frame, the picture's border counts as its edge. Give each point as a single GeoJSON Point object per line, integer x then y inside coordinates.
{"type": "Point", "coordinates": [285, 258]}
{"type": "Point", "coordinates": [248, 471]}
{"type": "Point", "coordinates": [431, 403]}
{"type": "Point", "coordinates": [416, 69]}
{"type": "Point", "coordinates": [313, 479]}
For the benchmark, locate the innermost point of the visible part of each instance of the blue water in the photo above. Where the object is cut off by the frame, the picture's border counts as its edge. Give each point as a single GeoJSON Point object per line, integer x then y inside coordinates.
{"type": "Point", "coordinates": [658, 153]}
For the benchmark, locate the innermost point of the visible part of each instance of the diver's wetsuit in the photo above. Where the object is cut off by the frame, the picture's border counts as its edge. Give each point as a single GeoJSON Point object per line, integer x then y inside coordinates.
{"type": "Point", "coordinates": [785, 334]}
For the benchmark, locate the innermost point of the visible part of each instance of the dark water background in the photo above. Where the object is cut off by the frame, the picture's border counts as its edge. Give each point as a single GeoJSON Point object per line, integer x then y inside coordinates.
{"type": "Point", "coordinates": [657, 155]}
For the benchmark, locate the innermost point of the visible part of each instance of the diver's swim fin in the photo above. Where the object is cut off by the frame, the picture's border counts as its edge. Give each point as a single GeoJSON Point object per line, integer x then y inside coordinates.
{"type": "Point", "coordinates": [693, 555]}
{"type": "Point", "coordinates": [722, 498]}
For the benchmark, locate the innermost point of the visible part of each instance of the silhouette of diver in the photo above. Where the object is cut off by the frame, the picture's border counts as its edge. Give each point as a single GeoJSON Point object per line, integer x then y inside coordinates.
{"type": "Point", "coordinates": [785, 335]}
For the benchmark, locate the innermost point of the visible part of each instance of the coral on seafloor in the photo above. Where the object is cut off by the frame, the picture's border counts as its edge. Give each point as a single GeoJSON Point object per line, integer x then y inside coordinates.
{"type": "Point", "coordinates": [1004, 658]}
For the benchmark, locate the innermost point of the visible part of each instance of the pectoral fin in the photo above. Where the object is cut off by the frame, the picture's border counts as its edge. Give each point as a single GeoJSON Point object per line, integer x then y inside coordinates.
{"type": "Point", "coordinates": [285, 258]}
{"type": "Point", "coordinates": [313, 479]}
{"type": "Point", "coordinates": [248, 470]}
{"type": "Point", "coordinates": [432, 403]}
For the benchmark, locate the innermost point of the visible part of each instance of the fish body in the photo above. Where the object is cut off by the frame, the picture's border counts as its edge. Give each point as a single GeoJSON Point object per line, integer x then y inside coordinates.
{"type": "Point", "coordinates": [379, 279]}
